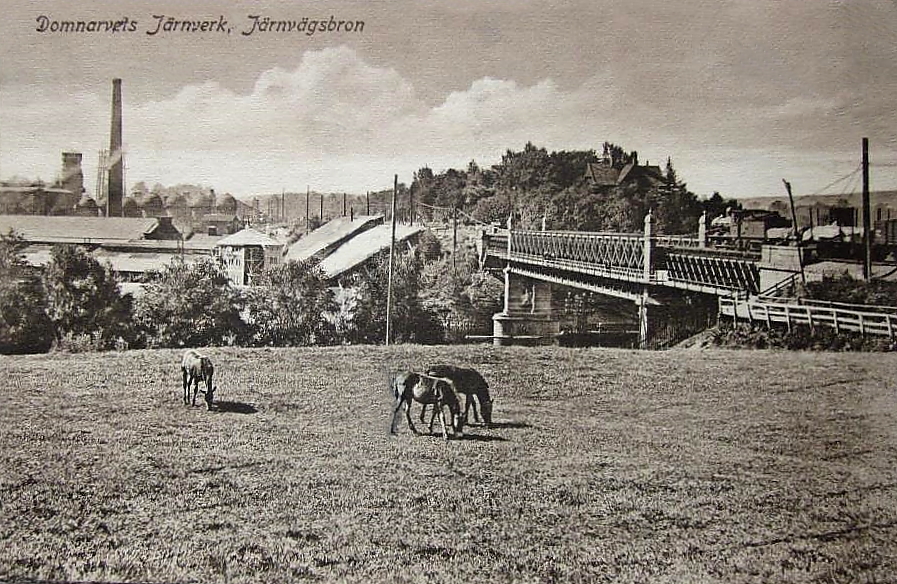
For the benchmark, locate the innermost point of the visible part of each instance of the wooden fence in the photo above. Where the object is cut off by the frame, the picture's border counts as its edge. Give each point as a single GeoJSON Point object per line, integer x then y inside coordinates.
{"type": "Point", "coordinates": [813, 314]}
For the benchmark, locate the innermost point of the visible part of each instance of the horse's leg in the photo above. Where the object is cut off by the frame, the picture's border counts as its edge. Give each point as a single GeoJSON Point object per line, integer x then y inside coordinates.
{"type": "Point", "coordinates": [423, 415]}
{"type": "Point", "coordinates": [442, 420]}
{"type": "Point", "coordinates": [209, 393]}
{"type": "Point", "coordinates": [395, 415]}
{"type": "Point", "coordinates": [433, 418]}
{"type": "Point", "coordinates": [195, 388]}
{"type": "Point", "coordinates": [186, 387]}
{"type": "Point", "coordinates": [408, 416]}
{"type": "Point", "coordinates": [470, 402]}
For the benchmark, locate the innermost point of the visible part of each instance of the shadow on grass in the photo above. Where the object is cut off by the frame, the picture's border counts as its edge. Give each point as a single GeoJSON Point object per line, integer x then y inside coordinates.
{"type": "Point", "coordinates": [482, 438]}
{"type": "Point", "coordinates": [508, 425]}
{"type": "Point", "coordinates": [234, 407]}
{"type": "Point", "coordinates": [467, 436]}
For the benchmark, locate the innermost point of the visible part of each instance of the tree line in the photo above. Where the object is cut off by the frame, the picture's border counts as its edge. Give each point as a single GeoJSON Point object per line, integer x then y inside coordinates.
{"type": "Point", "coordinates": [75, 302]}
{"type": "Point", "coordinates": [534, 185]}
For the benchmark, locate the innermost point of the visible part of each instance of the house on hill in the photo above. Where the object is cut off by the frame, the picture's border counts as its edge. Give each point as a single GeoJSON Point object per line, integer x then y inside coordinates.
{"type": "Point", "coordinates": [609, 173]}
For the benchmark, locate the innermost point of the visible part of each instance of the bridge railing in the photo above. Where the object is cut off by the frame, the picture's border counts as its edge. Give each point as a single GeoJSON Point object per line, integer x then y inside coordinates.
{"type": "Point", "coordinates": [620, 254]}
{"type": "Point", "coordinates": [678, 260]}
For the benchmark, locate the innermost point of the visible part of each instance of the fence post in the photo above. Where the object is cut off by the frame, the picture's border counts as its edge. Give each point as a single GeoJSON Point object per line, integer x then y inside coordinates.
{"type": "Point", "coordinates": [509, 238]}
{"type": "Point", "coordinates": [890, 327]}
{"type": "Point", "coordinates": [788, 318]}
{"type": "Point", "coordinates": [647, 248]}
{"type": "Point", "coordinates": [835, 320]}
{"type": "Point", "coordinates": [702, 230]}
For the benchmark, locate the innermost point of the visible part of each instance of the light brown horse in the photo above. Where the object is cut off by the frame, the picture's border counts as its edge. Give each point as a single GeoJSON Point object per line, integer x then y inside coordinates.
{"type": "Point", "coordinates": [408, 386]}
{"type": "Point", "coordinates": [196, 367]}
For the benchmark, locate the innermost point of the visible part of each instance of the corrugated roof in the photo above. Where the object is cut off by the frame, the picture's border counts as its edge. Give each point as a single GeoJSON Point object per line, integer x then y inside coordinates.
{"type": "Point", "coordinates": [77, 229]}
{"type": "Point", "coordinates": [248, 236]}
{"type": "Point", "coordinates": [364, 246]}
{"type": "Point", "coordinates": [328, 235]}
{"type": "Point", "coordinates": [121, 261]}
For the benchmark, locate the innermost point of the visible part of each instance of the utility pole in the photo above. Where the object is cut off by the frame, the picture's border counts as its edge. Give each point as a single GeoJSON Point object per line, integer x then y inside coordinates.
{"type": "Point", "coordinates": [454, 238]}
{"type": "Point", "coordinates": [392, 245]}
{"type": "Point", "coordinates": [322, 208]}
{"type": "Point", "coordinates": [307, 193]}
{"type": "Point", "coordinates": [367, 198]}
{"type": "Point", "coordinates": [344, 204]}
{"type": "Point", "coordinates": [800, 257]}
{"type": "Point", "coordinates": [411, 202]}
{"type": "Point", "coordinates": [867, 216]}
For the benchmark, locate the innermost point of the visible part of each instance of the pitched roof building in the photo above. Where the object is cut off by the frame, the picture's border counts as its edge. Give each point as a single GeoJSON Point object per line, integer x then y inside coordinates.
{"type": "Point", "coordinates": [89, 230]}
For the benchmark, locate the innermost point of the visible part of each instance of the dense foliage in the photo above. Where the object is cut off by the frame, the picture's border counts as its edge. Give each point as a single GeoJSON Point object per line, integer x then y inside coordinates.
{"type": "Point", "coordinates": [286, 308]}
{"type": "Point", "coordinates": [24, 324]}
{"type": "Point", "coordinates": [848, 289]}
{"type": "Point", "coordinates": [535, 186]}
{"type": "Point", "coordinates": [83, 300]}
{"type": "Point", "coordinates": [190, 305]}
{"type": "Point", "coordinates": [799, 338]}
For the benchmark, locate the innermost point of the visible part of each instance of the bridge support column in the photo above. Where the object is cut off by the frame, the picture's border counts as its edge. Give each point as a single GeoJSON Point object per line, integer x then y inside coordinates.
{"type": "Point", "coordinates": [642, 304]}
{"type": "Point", "coordinates": [527, 317]}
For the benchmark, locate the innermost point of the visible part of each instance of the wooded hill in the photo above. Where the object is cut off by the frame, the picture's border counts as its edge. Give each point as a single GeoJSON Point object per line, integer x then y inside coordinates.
{"type": "Point", "coordinates": [569, 190]}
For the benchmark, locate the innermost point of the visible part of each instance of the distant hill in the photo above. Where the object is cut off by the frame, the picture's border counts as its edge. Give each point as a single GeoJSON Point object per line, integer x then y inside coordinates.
{"type": "Point", "coordinates": [885, 200]}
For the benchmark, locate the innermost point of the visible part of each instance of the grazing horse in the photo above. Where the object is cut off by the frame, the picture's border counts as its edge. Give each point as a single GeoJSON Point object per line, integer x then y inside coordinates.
{"type": "Point", "coordinates": [471, 384]}
{"type": "Point", "coordinates": [195, 368]}
{"type": "Point", "coordinates": [408, 386]}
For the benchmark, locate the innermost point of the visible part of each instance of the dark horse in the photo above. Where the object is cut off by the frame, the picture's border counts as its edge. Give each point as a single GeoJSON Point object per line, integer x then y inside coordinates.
{"type": "Point", "coordinates": [471, 384]}
{"type": "Point", "coordinates": [195, 368]}
{"type": "Point", "coordinates": [408, 386]}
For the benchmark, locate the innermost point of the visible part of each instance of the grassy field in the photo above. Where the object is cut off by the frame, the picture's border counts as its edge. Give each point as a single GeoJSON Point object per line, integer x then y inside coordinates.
{"type": "Point", "coordinates": [603, 466]}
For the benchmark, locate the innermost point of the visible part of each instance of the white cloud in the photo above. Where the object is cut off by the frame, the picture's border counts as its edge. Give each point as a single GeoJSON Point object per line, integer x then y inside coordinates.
{"type": "Point", "coordinates": [337, 122]}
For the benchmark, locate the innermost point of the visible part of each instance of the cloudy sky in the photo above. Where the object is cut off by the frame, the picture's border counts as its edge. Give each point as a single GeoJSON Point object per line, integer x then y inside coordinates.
{"type": "Point", "coordinates": [740, 93]}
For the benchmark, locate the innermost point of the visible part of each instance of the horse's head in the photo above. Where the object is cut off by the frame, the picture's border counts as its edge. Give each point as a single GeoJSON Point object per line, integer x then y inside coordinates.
{"type": "Point", "coordinates": [486, 410]}
{"type": "Point", "coordinates": [458, 421]}
{"type": "Point", "coordinates": [210, 395]}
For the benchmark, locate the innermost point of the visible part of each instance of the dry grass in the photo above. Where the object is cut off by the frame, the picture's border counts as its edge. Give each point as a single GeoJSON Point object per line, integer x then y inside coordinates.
{"type": "Point", "coordinates": [605, 465]}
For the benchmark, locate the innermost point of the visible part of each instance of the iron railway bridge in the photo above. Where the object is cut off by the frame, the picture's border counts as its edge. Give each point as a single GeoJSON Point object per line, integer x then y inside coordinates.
{"type": "Point", "coordinates": [648, 269]}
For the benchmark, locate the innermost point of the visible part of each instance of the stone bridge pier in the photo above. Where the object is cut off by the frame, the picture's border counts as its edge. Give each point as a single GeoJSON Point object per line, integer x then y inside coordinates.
{"type": "Point", "coordinates": [528, 316]}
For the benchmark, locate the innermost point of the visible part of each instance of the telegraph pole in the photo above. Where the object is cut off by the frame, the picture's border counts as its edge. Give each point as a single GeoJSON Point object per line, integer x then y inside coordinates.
{"type": "Point", "coordinates": [392, 245]}
{"type": "Point", "coordinates": [797, 242]}
{"type": "Point", "coordinates": [867, 216]}
{"type": "Point", "coordinates": [307, 193]}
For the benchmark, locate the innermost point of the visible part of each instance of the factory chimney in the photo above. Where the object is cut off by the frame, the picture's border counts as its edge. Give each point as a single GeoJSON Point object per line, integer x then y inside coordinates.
{"type": "Point", "coordinates": [72, 175]}
{"type": "Point", "coordinates": [115, 192]}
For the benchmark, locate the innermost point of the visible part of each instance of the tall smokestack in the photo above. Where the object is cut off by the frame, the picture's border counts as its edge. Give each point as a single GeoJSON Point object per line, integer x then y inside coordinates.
{"type": "Point", "coordinates": [115, 192]}
{"type": "Point", "coordinates": [72, 174]}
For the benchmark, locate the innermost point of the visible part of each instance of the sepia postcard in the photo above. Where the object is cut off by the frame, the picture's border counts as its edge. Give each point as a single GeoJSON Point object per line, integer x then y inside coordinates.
{"type": "Point", "coordinates": [448, 291]}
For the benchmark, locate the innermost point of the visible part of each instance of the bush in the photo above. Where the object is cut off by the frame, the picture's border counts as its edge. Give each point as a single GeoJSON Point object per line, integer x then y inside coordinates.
{"type": "Point", "coordinates": [190, 305]}
{"type": "Point", "coordinates": [799, 338]}
{"type": "Point", "coordinates": [83, 298]}
{"type": "Point", "coordinates": [289, 305]}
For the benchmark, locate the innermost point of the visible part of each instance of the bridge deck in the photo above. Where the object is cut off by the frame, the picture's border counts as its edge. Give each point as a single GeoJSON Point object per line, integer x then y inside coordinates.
{"type": "Point", "coordinates": [671, 261]}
